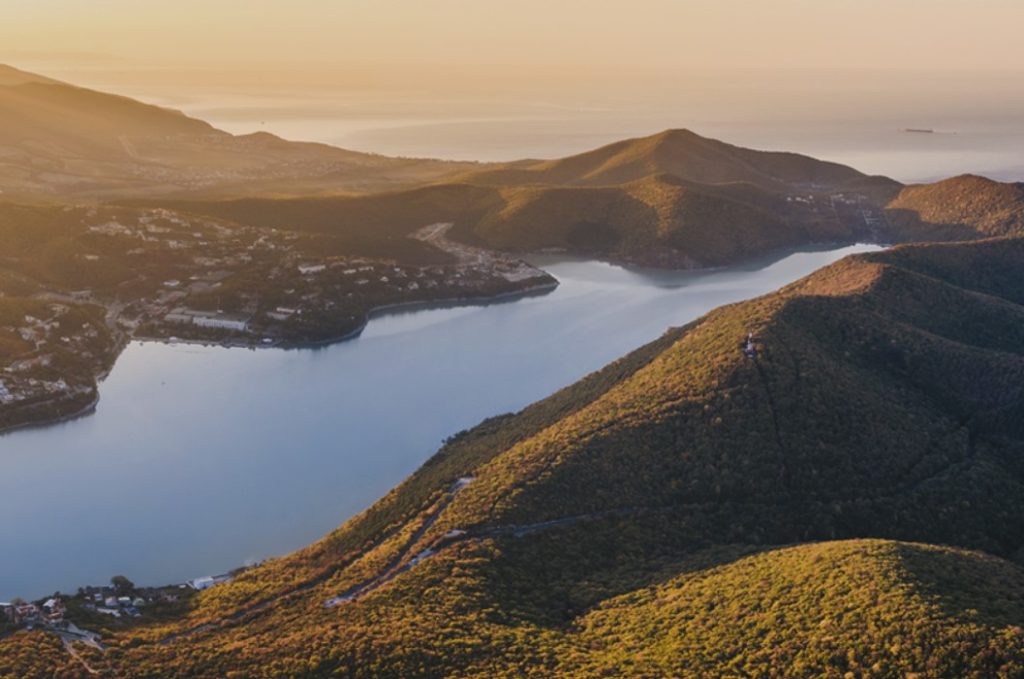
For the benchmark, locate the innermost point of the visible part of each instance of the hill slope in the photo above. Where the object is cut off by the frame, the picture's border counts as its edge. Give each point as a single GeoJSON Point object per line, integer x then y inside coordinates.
{"type": "Point", "coordinates": [61, 140]}
{"type": "Point", "coordinates": [625, 524]}
{"type": "Point", "coordinates": [681, 153]}
{"type": "Point", "coordinates": [658, 220]}
{"type": "Point", "coordinates": [958, 208]}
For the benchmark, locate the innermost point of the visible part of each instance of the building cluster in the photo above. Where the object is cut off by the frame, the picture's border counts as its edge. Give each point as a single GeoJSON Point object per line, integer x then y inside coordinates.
{"type": "Point", "coordinates": [32, 373]}
{"type": "Point", "coordinates": [196, 278]}
{"type": "Point", "coordinates": [210, 319]}
{"type": "Point", "coordinates": [23, 613]}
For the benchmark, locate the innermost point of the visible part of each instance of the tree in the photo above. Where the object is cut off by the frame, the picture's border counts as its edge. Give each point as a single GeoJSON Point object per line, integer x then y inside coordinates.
{"type": "Point", "coordinates": [122, 585]}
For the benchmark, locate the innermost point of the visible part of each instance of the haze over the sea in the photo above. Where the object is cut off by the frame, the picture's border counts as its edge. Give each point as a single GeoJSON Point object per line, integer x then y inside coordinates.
{"type": "Point", "coordinates": [491, 80]}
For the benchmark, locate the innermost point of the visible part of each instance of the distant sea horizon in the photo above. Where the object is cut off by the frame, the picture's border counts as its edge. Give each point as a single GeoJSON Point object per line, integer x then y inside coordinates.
{"type": "Point", "coordinates": [886, 147]}
{"type": "Point", "coordinates": [865, 120]}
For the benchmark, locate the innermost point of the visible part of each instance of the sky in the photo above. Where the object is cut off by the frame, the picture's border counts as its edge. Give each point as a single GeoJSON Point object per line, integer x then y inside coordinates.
{"type": "Point", "coordinates": [524, 38]}
{"type": "Point", "coordinates": [503, 79]}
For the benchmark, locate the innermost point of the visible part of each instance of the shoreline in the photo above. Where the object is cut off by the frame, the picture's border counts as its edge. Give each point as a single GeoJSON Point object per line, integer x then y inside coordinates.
{"type": "Point", "coordinates": [373, 312]}
{"type": "Point", "coordinates": [399, 307]}
{"type": "Point", "coordinates": [87, 409]}
{"type": "Point", "coordinates": [760, 261]}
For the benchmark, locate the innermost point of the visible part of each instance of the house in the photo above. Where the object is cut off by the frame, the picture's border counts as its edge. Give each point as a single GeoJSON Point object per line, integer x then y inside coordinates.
{"type": "Point", "coordinates": [178, 317]}
{"type": "Point", "coordinates": [26, 613]}
{"type": "Point", "coordinates": [208, 581]}
{"type": "Point", "coordinates": [235, 322]}
{"type": "Point", "coordinates": [54, 609]}
{"type": "Point", "coordinates": [209, 319]}
{"type": "Point", "coordinates": [306, 269]}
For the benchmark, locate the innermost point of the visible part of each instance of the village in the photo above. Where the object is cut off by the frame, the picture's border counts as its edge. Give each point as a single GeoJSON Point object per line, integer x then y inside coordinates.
{"type": "Point", "coordinates": [159, 274]}
{"type": "Point", "coordinates": [101, 606]}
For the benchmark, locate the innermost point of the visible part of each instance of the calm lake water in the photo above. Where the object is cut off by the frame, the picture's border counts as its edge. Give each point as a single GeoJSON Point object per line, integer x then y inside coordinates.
{"type": "Point", "coordinates": [199, 459]}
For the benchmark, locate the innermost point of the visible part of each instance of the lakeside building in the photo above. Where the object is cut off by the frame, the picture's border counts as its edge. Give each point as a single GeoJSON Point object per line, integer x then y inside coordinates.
{"type": "Point", "coordinates": [208, 319]}
{"type": "Point", "coordinates": [223, 321]}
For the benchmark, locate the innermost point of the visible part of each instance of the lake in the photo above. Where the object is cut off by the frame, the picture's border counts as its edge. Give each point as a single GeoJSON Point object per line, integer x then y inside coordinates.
{"type": "Point", "coordinates": [199, 459]}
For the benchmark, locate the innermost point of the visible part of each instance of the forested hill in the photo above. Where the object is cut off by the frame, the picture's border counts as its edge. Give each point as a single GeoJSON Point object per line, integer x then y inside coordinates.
{"type": "Point", "coordinates": [637, 522]}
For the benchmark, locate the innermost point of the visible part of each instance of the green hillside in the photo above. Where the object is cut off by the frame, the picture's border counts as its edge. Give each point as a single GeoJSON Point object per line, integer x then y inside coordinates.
{"type": "Point", "coordinates": [629, 524]}
{"type": "Point", "coordinates": [850, 608]}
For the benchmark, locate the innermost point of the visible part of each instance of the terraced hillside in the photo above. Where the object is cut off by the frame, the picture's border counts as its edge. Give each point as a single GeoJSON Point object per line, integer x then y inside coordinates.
{"type": "Point", "coordinates": [631, 524]}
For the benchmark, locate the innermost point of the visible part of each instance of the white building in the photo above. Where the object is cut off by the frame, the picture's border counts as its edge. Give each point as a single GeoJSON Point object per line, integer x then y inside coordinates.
{"type": "Point", "coordinates": [208, 581]}
{"type": "Point", "coordinates": [209, 319]}
{"type": "Point", "coordinates": [222, 321]}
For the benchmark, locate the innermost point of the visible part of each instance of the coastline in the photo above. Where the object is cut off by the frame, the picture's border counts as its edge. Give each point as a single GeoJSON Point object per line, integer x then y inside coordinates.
{"type": "Point", "coordinates": [536, 307]}
{"type": "Point", "coordinates": [373, 312]}
{"type": "Point", "coordinates": [760, 261]}
{"type": "Point", "coordinates": [88, 408]}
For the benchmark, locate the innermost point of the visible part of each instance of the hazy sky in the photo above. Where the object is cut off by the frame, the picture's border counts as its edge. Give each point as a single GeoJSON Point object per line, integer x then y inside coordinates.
{"type": "Point", "coordinates": [501, 79]}
{"type": "Point", "coordinates": [531, 36]}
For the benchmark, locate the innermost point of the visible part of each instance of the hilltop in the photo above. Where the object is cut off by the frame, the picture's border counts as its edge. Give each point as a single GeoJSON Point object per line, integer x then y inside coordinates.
{"type": "Point", "coordinates": [659, 219]}
{"type": "Point", "coordinates": [959, 208]}
{"type": "Point", "coordinates": [681, 153]}
{"type": "Point", "coordinates": [672, 199]}
{"type": "Point", "coordinates": [663, 218]}
{"type": "Point", "coordinates": [630, 523]}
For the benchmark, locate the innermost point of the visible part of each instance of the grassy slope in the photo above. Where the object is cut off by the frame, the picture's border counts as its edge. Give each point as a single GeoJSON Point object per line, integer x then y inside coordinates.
{"type": "Point", "coordinates": [869, 607]}
{"type": "Point", "coordinates": [885, 403]}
